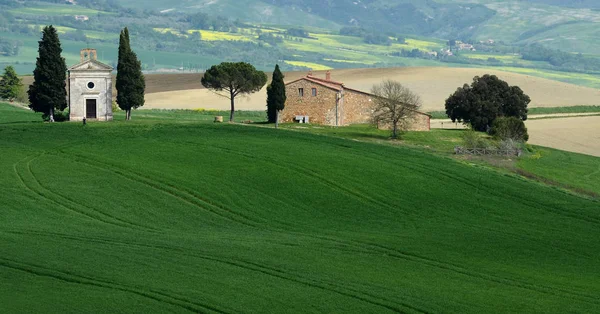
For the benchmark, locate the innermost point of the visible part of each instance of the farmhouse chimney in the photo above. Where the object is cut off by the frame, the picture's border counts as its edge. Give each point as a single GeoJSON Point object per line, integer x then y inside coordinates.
{"type": "Point", "coordinates": [310, 73]}
{"type": "Point", "coordinates": [88, 54]}
{"type": "Point", "coordinates": [328, 75]}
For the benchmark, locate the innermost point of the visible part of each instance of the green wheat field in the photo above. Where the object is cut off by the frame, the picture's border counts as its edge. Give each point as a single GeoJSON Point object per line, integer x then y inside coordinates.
{"type": "Point", "coordinates": [174, 216]}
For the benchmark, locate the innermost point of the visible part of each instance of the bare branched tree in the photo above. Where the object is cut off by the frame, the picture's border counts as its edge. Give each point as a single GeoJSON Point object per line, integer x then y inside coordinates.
{"type": "Point", "coordinates": [394, 105]}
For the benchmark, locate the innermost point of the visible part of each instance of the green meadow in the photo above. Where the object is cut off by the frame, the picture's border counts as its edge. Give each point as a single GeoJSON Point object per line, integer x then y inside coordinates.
{"type": "Point", "coordinates": [162, 214]}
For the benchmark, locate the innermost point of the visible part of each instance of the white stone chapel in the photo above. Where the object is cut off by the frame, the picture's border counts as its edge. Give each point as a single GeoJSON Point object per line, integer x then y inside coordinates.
{"type": "Point", "coordinates": [90, 89]}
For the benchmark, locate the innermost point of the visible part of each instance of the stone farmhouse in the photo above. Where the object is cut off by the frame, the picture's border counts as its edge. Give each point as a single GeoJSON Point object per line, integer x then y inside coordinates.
{"type": "Point", "coordinates": [89, 87]}
{"type": "Point", "coordinates": [311, 99]}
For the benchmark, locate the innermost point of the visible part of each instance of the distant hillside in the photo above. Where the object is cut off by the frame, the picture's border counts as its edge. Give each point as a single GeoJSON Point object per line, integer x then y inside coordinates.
{"type": "Point", "coordinates": [533, 37]}
{"type": "Point", "coordinates": [567, 25]}
{"type": "Point", "coordinates": [401, 16]}
{"type": "Point", "coordinates": [405, 16]}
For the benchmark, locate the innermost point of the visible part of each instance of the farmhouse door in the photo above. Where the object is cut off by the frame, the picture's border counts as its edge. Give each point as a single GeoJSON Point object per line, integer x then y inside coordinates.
{"type": "Point", "coordinates": [90, 108]}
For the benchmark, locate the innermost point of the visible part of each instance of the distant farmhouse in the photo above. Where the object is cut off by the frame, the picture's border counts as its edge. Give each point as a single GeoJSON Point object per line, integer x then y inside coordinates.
{"type": "Point", "coordinates": [322, 101]}
{"type": "Point", "coordinates": [81, 17]}
{"type": "Point", "coordinates": [90, 89]}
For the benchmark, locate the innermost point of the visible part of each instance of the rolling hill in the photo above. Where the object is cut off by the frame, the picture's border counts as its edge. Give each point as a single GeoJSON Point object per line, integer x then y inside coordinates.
{"type": "Point", "coordinates": [539, 21]}
{"type": "Point", "coordinates": [159, 216]}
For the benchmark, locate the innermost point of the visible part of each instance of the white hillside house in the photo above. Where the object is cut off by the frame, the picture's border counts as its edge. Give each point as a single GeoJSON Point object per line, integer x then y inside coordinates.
{"type": "Point", "coordinates": [90, 89]}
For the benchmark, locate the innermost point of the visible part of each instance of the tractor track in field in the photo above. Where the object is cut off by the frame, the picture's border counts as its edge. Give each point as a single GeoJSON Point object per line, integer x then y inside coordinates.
{"type": "Point", "coordinates": [390, 208]}
{"type": "Point", "coordinates": [395, 253]}
{"type": "Point", "coordinates": [347, 290]}
{"type": "Point", "coordinates": [37, 188]}
{"type": "Point", "coordinates": [176, 191]}
{"type": "Point", "coordinates": [68, 277]}
{"type": "Point", "coordinates": [169, 189]}
{"type": "Point", "coordinates": [435, 263]}
{"type": "Point", "coordinates": [592, 174]}
{"type": "Point", "coordinates": [40, 192]}
{"type": "Point", "coordinates": [454, 177]}
{"type": "Point", "coordinates": [419, 169]}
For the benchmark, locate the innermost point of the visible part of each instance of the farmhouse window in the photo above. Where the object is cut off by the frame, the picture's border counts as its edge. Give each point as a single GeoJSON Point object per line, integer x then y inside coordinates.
{"type": "Point", "coordinates": [314, 92]}
{"type": "Point", "coordinates": [301, 92]}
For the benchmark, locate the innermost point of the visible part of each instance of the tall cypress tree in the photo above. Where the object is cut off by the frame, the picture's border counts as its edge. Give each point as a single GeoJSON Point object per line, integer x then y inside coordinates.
{"type": "Point", "coordinates": [48, 92]}
{"type": "Point", "coordinates": [275, 96]}
{"type": "Point", "coordinates": [130, 80]}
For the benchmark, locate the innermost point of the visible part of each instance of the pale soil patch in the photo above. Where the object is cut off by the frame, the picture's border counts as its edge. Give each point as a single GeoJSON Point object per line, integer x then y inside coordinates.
{"type": "Point", "coordinates": [581, 134]}
{"type": "Point", "coordinates": [433, 84]}
{"type": "Point", "coordinates": [204, 99]}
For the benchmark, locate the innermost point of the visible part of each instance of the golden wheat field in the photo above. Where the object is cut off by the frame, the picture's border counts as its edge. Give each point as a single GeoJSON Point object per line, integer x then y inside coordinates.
{"type": "Point", "coordinates": [434, 85]}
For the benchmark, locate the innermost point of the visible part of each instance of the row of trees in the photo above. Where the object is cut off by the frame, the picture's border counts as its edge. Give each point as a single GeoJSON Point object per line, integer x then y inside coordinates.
{"type": "Point", "coordinates": [48, 93]}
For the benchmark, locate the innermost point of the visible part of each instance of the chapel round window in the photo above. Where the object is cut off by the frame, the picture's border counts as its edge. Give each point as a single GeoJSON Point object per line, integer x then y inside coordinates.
{"type": "Point", "coordinates": [90, 85]}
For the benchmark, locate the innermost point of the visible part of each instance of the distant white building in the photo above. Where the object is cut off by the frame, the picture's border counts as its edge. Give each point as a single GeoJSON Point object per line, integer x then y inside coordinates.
{"type": "Point", "coordinates": [463, 46]}
{"type": "Point", "coordinates": [81, 17]}
{"type": "Point", "coordinates": [90, 89]}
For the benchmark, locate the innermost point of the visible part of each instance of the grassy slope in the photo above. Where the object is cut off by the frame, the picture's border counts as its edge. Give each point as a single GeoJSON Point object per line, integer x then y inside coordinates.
{"type": "Point", "coordinates": [10, 114]}
{"type": "Point", "coordinates": [572, 170]}
{"type": "Point", "coordinates": [196, 217]}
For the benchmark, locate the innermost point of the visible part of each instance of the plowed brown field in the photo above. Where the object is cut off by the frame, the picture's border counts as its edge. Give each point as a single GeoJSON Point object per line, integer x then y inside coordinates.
{"type": "Point", "coordinates": [580, 134]}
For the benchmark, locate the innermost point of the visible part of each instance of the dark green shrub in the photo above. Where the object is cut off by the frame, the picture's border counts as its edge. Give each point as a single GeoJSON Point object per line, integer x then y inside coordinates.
{"type": "Point", "coordinates": [59, 116]}
{"type": "Point", "coordinates": [513, 128]}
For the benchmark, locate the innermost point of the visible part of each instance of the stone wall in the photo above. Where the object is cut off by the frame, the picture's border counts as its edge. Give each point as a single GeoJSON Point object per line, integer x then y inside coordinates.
{"type": "Point", "coordinates": [420, 122]}
{"type": "Point", "coordinates": [357, 107]}
{"type": "Point", "coordinates": [320, 109]}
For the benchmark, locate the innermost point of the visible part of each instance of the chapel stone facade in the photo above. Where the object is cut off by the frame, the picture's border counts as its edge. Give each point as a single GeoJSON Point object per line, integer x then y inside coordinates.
{"type": "Point", "coordinates": [90, 89]}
